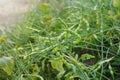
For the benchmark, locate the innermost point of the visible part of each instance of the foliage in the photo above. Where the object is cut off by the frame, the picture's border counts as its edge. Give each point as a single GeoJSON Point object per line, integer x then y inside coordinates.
{"type": "Point", "coordinates": [6, 63]}
{"type": "Point", "coordinates": [66, 40]}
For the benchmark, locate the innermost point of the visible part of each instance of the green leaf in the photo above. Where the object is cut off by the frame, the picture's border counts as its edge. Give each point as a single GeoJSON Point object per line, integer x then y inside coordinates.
{"type": "Point", "coordinates": [57, 63]}
{"type": "Point", "coordinates": [105, 61]}
{"type": "Point", "coordinates": [116, 3]}
{"type": "Point", "coordinates": [69, 76]}
{"type": "Point", "coordinates": [7, 64]}
{"type": "Point", "coordinates": [99, 64]}
{"type": "Point", "coordinates": [111, 71]}
{"type": "Point", "coordinates": [45, 8]}
{"type": "Point", "coordinates": [86, 57]}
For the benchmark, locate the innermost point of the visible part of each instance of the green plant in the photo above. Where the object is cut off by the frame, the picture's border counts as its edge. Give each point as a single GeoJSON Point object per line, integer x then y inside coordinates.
{"type": "Point", "coordinates": [77, 39]}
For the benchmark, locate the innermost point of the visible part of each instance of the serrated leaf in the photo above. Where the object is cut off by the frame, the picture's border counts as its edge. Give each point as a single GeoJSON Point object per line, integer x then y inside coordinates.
{"type": "Point", "coordinates": [7, 64]}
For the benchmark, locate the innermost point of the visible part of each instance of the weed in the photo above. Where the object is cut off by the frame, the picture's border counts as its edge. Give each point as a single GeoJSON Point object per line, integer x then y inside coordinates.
{"type": "Point", "coordinates": [66, 40]}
